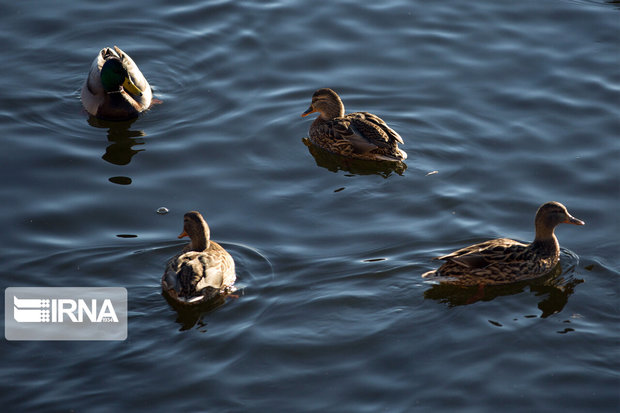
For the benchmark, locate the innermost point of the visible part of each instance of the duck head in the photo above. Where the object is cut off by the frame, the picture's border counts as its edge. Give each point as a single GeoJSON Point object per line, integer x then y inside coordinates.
{"type": "Point", "coordinates": [114, 75]}
{"type": "Point", "coordinates": [196, 228]}
{"type": "Point", "coordinates": [327, 103]}
{"type": "Point", "coordinates": [550, 215]}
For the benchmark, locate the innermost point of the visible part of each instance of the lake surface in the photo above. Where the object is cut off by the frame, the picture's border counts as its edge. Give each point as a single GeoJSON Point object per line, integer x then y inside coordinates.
{"type": "Point", "coordinates": [502, 105]}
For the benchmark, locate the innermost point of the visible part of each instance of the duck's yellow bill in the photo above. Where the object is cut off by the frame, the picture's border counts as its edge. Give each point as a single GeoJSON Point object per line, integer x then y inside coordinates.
{"type": "Point", "coordinates": [131, 87]}
{"type": "Point", "coordinates": [183, 234]}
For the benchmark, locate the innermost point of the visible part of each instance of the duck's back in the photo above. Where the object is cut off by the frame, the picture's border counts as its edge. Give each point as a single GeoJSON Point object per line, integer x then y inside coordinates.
{"type": "Point", "coordinates": [359, 135]}
{"type": "Point", "coordinates": [191, 273]}
{"type": "Point", "coordinates": [374, 128]}
{"type": "Point", "coordinates": [497, 261]}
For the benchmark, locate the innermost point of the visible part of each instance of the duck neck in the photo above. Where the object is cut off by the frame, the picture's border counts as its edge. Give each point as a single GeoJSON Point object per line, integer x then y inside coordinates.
{"type": "Point", "coordinates": [333, 110]}
{"type": "Point", "coordinates": [546, 240]}
{"type": "Point", "coordinates": [200, 241]}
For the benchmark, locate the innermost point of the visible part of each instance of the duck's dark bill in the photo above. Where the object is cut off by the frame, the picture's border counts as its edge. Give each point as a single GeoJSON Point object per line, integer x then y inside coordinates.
{"type": "Point", "coordinates": [309, 111]}
{"type": "Point", "coordinates": [575, 221]}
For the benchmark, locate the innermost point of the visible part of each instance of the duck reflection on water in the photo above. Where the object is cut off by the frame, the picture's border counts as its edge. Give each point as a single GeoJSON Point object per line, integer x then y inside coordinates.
{"type": "Point", "coordinates": [554, 288]}
{"type": "Point", "coordinates": [334, 163]}
{"type": "Point", "coordinates": [122, 140]}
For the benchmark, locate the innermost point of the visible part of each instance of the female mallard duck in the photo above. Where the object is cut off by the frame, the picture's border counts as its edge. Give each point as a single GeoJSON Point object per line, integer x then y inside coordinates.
{"type": "Point", "coordinates": [359, 135]}
{"type": "Point", "coordinates": [203, 270]}
{"type": "Point", "coordinates": [115, 88]}
{"type": "Point", "coordinates": [503, 260]}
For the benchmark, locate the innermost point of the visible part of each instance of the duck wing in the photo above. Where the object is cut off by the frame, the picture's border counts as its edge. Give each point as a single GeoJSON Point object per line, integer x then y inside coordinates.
{"type": "Point", "coordinates": [92, 90]}
{"type": "Point", "coordinates": [485, 253]}
{"type": "Point", "coordinates": [365, 132]}
{"type": "Point", "coordinates": [132, 68]}
{"type": "Point", "coordinates": [219, 268]}
{"type": "Point", "coordinates": [193, 271]}
{"type": "Point", "coordinates": [345, 129]}
{"type": "Point", "coordinates": [369, 120]}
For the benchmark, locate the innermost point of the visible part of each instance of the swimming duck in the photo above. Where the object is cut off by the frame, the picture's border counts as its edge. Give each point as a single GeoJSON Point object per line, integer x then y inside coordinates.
{"type": "Point", "coordinates": [204, 270]}
{"type": "Point", "coordinates": [503, 260]}
{"type": "Point", "coordinates": [115, 88]}
{"type": "Point", "coordinates": [359, 135]}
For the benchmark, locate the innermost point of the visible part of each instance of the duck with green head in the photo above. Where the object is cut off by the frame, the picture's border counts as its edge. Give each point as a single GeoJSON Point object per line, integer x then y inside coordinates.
{"type": "Point", "coordinates": [503, 260]}
{"type": "Point", "coordinates": [115, 88]}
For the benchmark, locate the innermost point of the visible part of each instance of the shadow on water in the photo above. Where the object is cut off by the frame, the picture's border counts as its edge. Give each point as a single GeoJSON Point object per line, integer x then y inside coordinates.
{"type": "Point", "coordinates": [253, 270]}
{"type": "Point", "coordinates": [122, 140]}
{"type": "Point", "coordinates": [554, 288]}
{"type": "Point", "coordinates": [190, 316]}
{"type": "Point", "coordinates": [335, 163]}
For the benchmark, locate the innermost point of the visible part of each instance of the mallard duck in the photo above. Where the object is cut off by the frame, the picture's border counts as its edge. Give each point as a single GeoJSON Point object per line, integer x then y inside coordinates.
{"type": "Point", "coordinates": [115, 88]}
{"type": "Point", "coordinates": [504, 260]}
{"type": "Point", "coordinates": [359, 135]}
{"type": "Point", "coordinates": [204, 270]}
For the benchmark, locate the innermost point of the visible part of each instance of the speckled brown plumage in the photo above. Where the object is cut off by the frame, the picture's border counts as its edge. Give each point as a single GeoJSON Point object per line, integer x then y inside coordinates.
{"type": "Point", "coordinates": [359, 135]}
{"type": "Point", "coordinates": [203, 270]}
{"type": "Point", "coordinates": [502, 261]}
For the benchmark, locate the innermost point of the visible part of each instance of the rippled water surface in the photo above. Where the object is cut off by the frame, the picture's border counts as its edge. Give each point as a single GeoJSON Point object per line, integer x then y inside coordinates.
{"type": "Point", "coordinates": [502, 105]}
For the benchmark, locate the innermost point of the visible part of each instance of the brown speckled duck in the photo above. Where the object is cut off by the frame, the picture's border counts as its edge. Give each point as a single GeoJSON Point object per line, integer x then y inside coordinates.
{"type": "Point", "coordinates": [502, 261]}
{"type": "Point", "coordinates": [115, 89]}
{"type": "Point", "coordinates": [359, 135]}
{"type": "Point", "coordinates": [204, 270]}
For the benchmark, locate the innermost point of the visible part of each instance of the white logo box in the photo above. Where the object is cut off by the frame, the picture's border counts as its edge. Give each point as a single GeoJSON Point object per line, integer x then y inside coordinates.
{"type": "Point", "coordinates": [65, 313]}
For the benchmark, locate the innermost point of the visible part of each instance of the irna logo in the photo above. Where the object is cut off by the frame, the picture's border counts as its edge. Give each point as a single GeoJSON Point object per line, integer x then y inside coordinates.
{"type": "Point", "coordinates": [32, 310]}
{"type": "Point", "coordinates": [67, 313]}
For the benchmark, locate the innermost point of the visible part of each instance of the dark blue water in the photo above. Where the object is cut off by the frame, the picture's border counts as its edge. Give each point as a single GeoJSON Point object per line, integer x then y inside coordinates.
{"type": "Point", "coordinates": [502, 107]}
